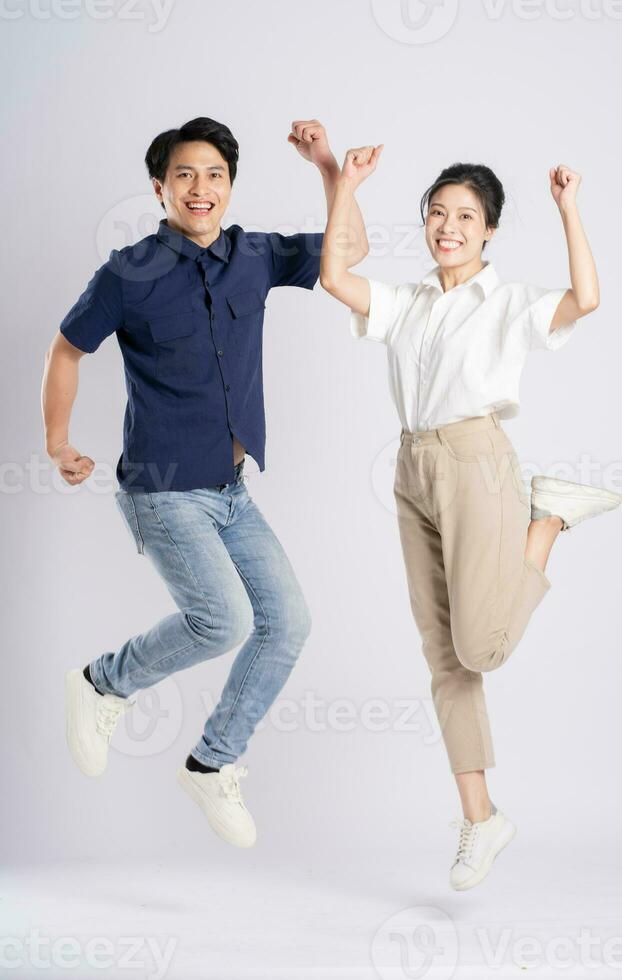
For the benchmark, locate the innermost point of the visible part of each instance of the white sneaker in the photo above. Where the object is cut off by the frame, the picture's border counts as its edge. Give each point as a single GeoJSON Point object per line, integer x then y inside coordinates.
{"type": "Point", "coordinates": [573, 502]}
{"type": "Point", "coordinates": [219, 796]}
{"type": "Point", "coordinates": [479, 844]}
{"type": "Point", "coordinates": [91, 720]}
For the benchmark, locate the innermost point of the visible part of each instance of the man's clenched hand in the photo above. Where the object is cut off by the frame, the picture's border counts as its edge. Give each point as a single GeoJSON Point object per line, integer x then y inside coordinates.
{"type": "Point", "coordinates": [73, 467]}
{"type": "Point", "coordinates": [310, 139]}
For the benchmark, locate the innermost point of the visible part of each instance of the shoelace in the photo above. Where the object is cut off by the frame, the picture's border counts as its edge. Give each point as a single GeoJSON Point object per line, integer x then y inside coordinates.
{"type": "Point", "coordinates": [107, 718]}
{"type": "Point", "coordinates": [230, 785]}
{"type": "Point", "coordinates": [468, 836]}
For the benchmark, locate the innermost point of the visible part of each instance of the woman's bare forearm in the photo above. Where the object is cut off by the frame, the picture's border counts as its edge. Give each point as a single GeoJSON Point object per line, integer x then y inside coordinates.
{"type": "Point", "coordinates": [336, 258]}
{"type": "Point", "coordinates": [340, 237]}
{"type": "Point", "coordinates": [584, 294]}
{"type": "Point", "coordinates": [360, 244]}
{"type": "Point", "coordinates": [339, 249]}
{"type": "Point", "coordinates": [583, 275]}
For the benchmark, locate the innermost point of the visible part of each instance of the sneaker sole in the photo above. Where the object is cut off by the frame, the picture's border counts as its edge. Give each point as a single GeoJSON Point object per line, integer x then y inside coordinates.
{"type": "Point", "coordinates": [510, 833]}
{"type": "Point", "coordinates": [219, 828]}
{"type": "Point", "coordinates": [600, 494]}
{"type": "Point", "coordinates": [546, 496]}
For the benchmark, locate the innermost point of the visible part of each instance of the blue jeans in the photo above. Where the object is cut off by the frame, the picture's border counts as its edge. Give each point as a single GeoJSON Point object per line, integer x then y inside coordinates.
{"type": "Point", "coordinates": [233, 583]}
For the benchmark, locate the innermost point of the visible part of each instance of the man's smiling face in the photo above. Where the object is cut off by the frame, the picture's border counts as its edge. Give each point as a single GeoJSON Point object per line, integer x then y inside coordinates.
{"type": "Point", "coordinates": [195, 191]}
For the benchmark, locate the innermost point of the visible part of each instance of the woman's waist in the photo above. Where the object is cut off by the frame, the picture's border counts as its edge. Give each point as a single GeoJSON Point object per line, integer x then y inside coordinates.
{"type": "Point", "coordinates": [471, 424]}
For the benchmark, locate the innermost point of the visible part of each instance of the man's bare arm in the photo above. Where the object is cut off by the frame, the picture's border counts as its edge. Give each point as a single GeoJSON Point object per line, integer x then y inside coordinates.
{"type": "Point", "coordinates": [58, 392]}
{"type": "Point", "coordinates": [310, 139]}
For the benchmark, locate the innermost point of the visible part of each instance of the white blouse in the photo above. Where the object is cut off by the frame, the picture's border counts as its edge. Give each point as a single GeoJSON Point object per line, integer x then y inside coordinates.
{"type": "Point", "coordinates": [458, 354]}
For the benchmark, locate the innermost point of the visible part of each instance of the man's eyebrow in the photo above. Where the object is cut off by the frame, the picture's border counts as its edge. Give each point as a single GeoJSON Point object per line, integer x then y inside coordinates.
{"type": "Point", "coordinates": [188, 166]}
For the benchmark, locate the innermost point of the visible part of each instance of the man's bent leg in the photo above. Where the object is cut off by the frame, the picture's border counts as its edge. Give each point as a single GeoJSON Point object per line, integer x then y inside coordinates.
{"type": "Point", "coordinates": [281, 626]}
{"type": "Point", "coordinates": [179, 532]}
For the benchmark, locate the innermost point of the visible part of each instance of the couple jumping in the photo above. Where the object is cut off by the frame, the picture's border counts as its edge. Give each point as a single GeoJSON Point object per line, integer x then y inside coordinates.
{"type": "Point", "coordinates": [187, 306]}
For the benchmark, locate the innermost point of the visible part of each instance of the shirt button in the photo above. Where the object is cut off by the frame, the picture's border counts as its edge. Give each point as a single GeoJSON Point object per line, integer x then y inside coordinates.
{"type": "Point", "coordinates": [213, 316]}
{"type": "Point", "coordinates": [220, 353]}
{"type": "Point", "coordinates": [227, 387]}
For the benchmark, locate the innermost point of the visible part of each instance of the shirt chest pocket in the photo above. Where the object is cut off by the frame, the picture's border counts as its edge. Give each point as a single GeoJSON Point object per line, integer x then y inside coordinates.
{"type": "Point", "coordinates": [247, 310]}
{"type": "Point", "coordinates": [179, 353]}
{"type": "Point", "coordinates": [244, 303]}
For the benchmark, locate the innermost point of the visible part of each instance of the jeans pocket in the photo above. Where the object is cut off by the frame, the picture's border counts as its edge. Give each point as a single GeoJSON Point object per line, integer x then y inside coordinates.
{"type": "Point", "coordinates": [125, 503]}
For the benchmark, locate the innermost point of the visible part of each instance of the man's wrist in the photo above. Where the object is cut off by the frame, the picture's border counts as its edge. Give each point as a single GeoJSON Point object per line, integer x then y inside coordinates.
{"type": "Point", "coordinates": [53, 445]}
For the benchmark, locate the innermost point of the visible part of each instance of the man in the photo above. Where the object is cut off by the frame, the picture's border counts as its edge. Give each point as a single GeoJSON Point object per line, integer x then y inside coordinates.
{"type": "Point", "coordinates": [187, 306]}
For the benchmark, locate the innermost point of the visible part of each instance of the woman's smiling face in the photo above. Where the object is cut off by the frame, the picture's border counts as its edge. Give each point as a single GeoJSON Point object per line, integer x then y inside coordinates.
{"type": "Point", "coordinates": [455, 227]}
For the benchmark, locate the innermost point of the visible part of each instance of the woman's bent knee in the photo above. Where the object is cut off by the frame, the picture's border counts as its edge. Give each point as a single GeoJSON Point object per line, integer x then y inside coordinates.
{"type": "Point", "coordinates": [484, 656]}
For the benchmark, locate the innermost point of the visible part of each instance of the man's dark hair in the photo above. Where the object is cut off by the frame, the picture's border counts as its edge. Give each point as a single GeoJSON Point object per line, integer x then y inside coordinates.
{"type": "Point", "coordinates": [481, 180]}
{"type": "Point", "coordinates": [201, 128]}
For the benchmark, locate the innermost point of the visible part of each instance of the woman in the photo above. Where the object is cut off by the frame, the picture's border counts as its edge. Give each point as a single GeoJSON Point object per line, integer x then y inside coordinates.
{"type": "Point", "coordinates": [475, 545]}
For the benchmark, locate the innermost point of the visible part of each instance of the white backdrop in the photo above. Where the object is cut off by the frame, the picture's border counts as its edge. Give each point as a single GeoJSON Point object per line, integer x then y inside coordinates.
{"type": "Point", "coordinates": [350, 758]}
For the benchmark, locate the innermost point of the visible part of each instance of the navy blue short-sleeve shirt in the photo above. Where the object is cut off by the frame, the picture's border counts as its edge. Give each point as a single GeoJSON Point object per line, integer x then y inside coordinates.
{"type": "Point", "coordinates": [189, 322]}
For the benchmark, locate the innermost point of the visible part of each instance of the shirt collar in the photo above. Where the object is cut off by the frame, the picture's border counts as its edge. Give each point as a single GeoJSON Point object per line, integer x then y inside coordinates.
{"type": "Point", "coordinates": [487, 279]}
{"type": "Point", "coordinates": [185, 246]}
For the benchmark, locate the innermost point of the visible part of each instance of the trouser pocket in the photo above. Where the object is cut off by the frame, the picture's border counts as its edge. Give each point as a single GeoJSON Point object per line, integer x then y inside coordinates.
{"type": "Point", "coordinates": [125, 503]}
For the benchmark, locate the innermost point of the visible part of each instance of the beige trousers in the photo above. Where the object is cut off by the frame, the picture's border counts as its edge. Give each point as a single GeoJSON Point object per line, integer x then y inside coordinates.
{"type": "Point", "coordinates": [463, 513]}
